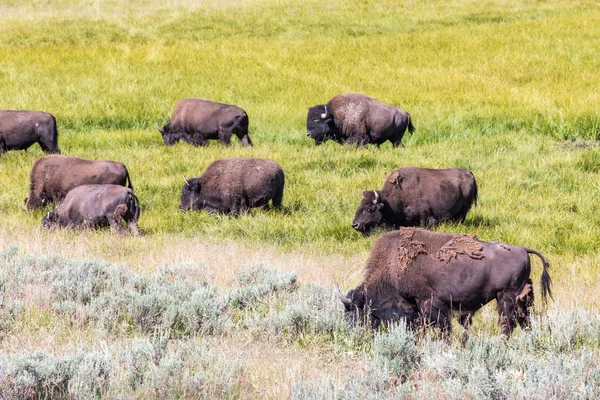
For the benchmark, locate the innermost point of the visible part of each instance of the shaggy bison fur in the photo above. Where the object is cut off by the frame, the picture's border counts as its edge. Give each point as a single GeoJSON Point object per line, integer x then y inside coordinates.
{"type": "Point", "coordinates": [233, 185]}
{"type": "Point", "coordinates": [423, 276]}
{"type": "Point", "coordinates": [417, 197]}
{"type": "Point", "coordinates": [96, 206]}
{"type": "Point", "coordinates": [195, 121]}
{"type": "Point", "coordinates": [52, 177]}
{"type": "Point", "coordinates": [21, 129]}
{"type": "Point", "coordinates": [357, 119]}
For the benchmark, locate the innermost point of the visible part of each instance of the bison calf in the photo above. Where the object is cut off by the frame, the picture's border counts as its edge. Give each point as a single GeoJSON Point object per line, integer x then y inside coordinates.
{"type": "Point", "coordinates": [233, 185]}
{"type": "Point", "coordinates": [53, 176]}
{"type": "Point", "coordinates": [417, 197]}
{"type": "Point", "coordinates": [357, 119]}
{"type": "Point", "coordinates": [21, 129]}
{"type": "Point", "coordinates": [422, 276]}
{"type": "Point", "coordinates": [195, 121]}
{"type": "Point", "coordinates": [96, 206]}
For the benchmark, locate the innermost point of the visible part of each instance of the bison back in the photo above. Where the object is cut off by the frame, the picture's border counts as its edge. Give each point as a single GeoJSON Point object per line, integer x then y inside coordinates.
{"type": "Point", "coordinates": [21, 129]}
{"type": "Point", "coordinates": [195, 115]}
{"type": "Point", "coordinates": [253, 179]}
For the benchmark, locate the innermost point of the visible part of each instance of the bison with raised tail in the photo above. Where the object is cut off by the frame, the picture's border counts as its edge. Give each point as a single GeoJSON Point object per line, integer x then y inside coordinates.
{"type": "Point", "coordinates": [357, 119]}
{"type": "Point", "coordinates": [97, 206]}
{"type": "Point", "coordinates": [422, 276]}
{"type": "Point", "coordinates": [414, 196]}
{"type": "Point", "coordinates": [21, 129]}
{"type": "Point", "coordinates": [195, 121]}
{"type": "Point", "coordinates": [52, 177]}
{"type": "Point", "coordinates": [233, 185]}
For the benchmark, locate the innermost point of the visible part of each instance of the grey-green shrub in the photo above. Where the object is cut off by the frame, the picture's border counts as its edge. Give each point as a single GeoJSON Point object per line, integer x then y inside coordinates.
{"type": "Point", "coordinates": [258, 281]}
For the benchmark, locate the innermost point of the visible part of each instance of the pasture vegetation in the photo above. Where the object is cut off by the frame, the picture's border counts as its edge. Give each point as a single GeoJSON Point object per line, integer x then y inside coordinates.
{"type": "Point", "coordinates": [506, 89]}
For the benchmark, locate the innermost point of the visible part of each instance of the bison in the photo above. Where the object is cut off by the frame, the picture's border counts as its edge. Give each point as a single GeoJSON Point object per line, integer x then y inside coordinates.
{"type": "Point", "coordinates": [422, 276]}
{"type": "Point", "coordinates": [53, 176]}
{"type": "Point", "coordinates": [96, 206]}
{"type": "Point", "coordinates": [233, 185]}
{"type": "Point", "coordinates": [414, 196]}
{"type": "Point", "coordinates": [21, 129]}
{"type": "Point", "coordinates": [195, 121]}
{"type": "Point", "coordinates": [357, 119]}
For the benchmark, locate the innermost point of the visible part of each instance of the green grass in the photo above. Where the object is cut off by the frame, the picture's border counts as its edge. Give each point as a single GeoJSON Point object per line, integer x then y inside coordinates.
{"type": "Point", "coordinates": [507, 89]}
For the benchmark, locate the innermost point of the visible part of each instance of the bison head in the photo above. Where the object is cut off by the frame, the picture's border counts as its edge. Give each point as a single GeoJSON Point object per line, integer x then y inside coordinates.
{"type": "Point", "coordinates": [50, 220]}
{"type": "Point", "coordinates": [320, 125]}
{"type": "Point", "coordinates": [360, 308]}
{"type": "Point", "coordinates": [369, 213]}
{"type": "Point", "coordinates": [169, 138]}
{"type": "Point", "coordinates": [190, 194]}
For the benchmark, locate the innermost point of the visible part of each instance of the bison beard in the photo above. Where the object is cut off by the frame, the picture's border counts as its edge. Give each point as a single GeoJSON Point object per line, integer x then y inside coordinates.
{"type": "Point", "coordinates": [423, 276]}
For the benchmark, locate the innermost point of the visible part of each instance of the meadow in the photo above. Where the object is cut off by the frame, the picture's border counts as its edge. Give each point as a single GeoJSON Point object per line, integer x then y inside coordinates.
{"type": "Point", "coordinates": [506, 89]}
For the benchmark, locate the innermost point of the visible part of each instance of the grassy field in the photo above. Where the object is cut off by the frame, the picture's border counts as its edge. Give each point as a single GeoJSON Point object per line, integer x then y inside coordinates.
{"type": "Point", "coordinates": [506, 89]}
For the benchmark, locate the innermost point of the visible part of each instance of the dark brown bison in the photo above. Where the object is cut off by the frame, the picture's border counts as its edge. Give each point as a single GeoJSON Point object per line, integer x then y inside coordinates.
{"type": "Point", "coordinates": [414, 196]}
{"type": "Point", "coordinates": [96, 206]}
{"type": "Point", "coordinates": [21, 129]}
{"type": "Point", "coordinates": [357, 119]}
{"type": "Point", "coordinates": [422, 276]}
{"type": "Point", "coordinates": [195, 121]}
{"type": "Point", "coordinates": [53, 176]}
{"type": "Point", "coordinates": [233, 185]}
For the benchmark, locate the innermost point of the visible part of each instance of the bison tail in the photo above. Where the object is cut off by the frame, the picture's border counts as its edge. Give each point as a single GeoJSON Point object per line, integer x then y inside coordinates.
{"type": "Point", "coordinates": [128, 179]}
{"type": "Point", "coordinates": [411, 127]}
{"type": "Point", "coordinates": [133, 204]}
{"type": "Point", "coordinates": [546, 281]}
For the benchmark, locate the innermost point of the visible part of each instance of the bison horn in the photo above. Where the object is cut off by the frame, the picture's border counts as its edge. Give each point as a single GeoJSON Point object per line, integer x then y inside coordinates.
{"type": "Point", "coordinates": [376, 197]}
{"type": "Point", "coordinates": [160, 130]}
{"type": "Point", "coordinates": [186, 181]}
{"type": "Point", "coordinates": [324, 115]}
{"type": "Point", "coordinates": [341, 296]}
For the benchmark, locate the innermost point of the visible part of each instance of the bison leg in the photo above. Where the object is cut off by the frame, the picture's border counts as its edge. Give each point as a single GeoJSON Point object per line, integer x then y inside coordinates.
{"type": "Point", "coordinates": [225, 136]}
{"type": "Point", "coordinates": [116, 220]}
{"type": "Point", "coordinates": [434, 312]}
{"type": "Point", "coordinates": [524, 304]}
{"type": "Point", "coordinates": [278, 197]}
{"type": "Point", "coordinates": [358, 140]}
{"type": "Point", "coordinates": [195, 140]}
{"type": "Point", "coordinates": [507, 312]}
{"type": "Point", "coordinates": [133, 228]}
{"type": "Point", "coordinates": [245, 140]}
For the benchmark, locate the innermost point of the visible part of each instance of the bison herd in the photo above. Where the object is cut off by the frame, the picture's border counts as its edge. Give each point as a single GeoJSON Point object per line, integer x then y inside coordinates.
{"type": "Point", "coordinates": [412, 274]}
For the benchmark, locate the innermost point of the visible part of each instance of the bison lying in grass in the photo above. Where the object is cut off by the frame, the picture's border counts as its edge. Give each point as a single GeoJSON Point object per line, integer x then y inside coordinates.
{"type": "Point", "coordinates": [357, 119]}
{"type": "Point", "coordinates": [422, 276]}
{"type": "Point", "coordinates": [195, 121]}
{"type": "Point", "coordinates": [96, 206]}
{"type": "Point", "coordinates": [21, 129]}
{"type": "Point", "coordinates": [417, 197]}
{"type": "Point", "coordinates": [53, 176]}
{"type": "Point", "coordinates": [233, 185]}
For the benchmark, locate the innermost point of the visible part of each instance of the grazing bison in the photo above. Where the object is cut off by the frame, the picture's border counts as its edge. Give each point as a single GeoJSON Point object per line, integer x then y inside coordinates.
{"type": "Point", "coordinates": [53, 176]}
{"type": "Point", "coordinates": [21, 129]}
{"type": "Point", "coordinates": [233, 185]}
{"type": "Point", "coordinates": [414, 196]}
{"type": "Point", "coordinates": [422, 276]}
{"type": "Point", "coordinates": [196, 121]}
{"type": "Point", "coordinates": [96, 206]}
{"type": "Point", "coordinates": [357, 119]}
